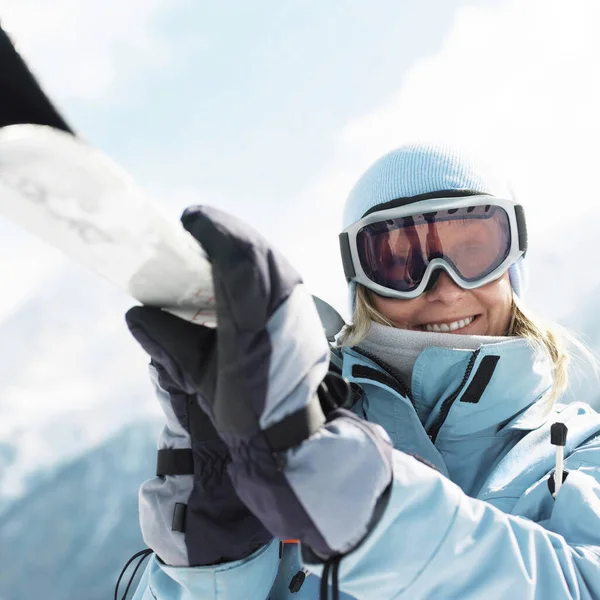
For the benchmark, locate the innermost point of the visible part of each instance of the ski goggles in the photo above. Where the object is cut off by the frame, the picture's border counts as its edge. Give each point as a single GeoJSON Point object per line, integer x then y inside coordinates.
{"type": "Point", "coordinates": [398, 252]}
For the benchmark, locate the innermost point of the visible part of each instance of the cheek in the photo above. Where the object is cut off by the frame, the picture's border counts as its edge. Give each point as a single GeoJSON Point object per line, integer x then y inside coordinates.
{"type": "Point", "coordinates": [401, 312]}
{"type": "Point", "coordinates": [496, 298]}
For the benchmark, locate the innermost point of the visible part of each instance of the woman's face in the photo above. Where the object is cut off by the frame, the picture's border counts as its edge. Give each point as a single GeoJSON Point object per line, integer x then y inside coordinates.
{"type": "Point", "coordinates": [451, 309]}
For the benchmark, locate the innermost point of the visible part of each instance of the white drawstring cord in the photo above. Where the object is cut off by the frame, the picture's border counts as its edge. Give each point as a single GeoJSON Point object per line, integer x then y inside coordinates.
{"type": "Point", "coordinates": [558, 472]}
{"type": "Point", "coordinates": [558, 438]}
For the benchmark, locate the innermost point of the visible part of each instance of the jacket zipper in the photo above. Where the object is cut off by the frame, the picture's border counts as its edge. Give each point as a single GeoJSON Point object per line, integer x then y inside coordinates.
{"type": "Point", "coordinates": [449, 401]}
{"type": "Point", "coordinates": [396, 382]}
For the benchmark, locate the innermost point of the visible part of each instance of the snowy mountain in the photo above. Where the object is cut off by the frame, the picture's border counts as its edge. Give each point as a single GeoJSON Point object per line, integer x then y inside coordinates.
{"type": "Point", "coordinates": [78, 429]}
{"type": "Point", "coordinates": [69, 537]}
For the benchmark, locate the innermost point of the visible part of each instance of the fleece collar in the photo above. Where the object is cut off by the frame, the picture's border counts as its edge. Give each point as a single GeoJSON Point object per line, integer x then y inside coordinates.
{"type": "Point", "coordinates": [399, 348]}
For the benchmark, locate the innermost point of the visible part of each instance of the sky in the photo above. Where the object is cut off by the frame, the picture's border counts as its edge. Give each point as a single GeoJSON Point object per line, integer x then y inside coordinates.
{"type": "Point", "coordinates": [244, 108]}
{"type": "Point", "coordinates": [271, 110]}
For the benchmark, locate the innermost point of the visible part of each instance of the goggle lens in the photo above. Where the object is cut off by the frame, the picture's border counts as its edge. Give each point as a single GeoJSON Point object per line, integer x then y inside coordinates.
{"type": "Point", "coordinates": [473, 241]}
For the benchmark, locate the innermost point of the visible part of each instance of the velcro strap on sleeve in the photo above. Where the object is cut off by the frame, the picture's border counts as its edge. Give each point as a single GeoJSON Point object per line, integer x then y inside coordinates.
{"type": "Point", "coordinates": [175, 461]}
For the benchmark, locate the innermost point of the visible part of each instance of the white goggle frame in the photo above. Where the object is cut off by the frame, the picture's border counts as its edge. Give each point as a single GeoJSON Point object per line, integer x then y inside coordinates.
{"type": "Point", "coordinates": [518, 242]}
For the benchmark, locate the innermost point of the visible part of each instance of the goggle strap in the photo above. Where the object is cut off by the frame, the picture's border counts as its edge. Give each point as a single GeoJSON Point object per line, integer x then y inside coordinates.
{"type": "Point", "coordinates": [522, 228]}
{"type": "Point", "coordinates": [349, 271]}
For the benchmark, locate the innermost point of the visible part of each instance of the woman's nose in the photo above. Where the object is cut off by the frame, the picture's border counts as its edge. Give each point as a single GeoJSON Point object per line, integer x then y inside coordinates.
{"type": "Point", "coordinates": [444, 290]}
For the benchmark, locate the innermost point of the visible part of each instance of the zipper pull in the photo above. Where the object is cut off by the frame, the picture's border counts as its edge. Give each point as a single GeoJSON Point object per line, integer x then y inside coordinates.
{"type": "Point", "coordinates": [558, 438]}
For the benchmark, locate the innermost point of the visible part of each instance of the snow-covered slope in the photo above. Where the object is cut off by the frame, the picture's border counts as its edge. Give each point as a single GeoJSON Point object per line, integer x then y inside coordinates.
{"type": "Point", "coordinates": [71, 534]}
{"type": "Point", "coordinates": [78, 429]}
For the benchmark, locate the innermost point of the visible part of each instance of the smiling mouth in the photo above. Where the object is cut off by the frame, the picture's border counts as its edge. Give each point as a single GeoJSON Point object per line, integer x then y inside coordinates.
{"type": "Point", "coordinates": [448, 327]}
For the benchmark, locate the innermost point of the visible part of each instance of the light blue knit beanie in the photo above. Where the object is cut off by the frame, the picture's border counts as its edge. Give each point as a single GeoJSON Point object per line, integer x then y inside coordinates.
{"type": "Point", "coordinates": [426, 168]}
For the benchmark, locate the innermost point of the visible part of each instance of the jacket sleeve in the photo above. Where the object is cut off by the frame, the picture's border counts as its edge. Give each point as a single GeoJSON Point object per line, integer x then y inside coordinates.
{"type": "Point", "coordinates": [251, 577]}
{"type": "Point", "coordinates": [436, 542]}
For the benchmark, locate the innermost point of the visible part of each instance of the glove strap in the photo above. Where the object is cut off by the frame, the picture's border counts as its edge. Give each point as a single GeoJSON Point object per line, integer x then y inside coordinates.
{"type": "Point", "coordinates": [295, 428]}
{"type": "Point", "coordinates": [334, 391]}
{"type": "Point", "coordinates": [174, 462]}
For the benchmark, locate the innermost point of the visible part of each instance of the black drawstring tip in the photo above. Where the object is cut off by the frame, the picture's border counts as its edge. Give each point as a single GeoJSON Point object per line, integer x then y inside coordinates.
{"type": "Point", "coordinates": [297, 581]}
{"type": "Point", "coordinates": [558, 434]}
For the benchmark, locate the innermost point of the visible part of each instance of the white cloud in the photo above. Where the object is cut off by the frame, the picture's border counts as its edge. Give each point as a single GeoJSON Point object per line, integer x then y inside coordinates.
{"type": "Point", "coordinates": [82, 47]}
{"type": "Point", "coordinates": [26, 264]}
{"type": "Point", "coordinates": [517, 83]}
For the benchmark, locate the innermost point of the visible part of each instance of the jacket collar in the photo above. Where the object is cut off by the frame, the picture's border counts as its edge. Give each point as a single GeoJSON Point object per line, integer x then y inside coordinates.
{"type": "Point", "coordinates": [499, 386]}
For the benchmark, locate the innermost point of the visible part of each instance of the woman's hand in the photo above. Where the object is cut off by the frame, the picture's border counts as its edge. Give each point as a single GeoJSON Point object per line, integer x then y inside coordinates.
{"type": "Point", "coordinates": [190, 514]}
{"type": "Point", "coordinates": [259, 387]}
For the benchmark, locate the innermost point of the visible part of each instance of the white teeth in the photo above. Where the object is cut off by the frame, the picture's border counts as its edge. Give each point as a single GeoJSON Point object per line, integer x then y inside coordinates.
{"type": "Point", "coordinates": [445, 327]}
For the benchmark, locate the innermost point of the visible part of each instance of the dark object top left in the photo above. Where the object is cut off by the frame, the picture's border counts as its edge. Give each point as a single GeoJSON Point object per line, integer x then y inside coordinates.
{"type": "Point", "coordinates": [22, 100]}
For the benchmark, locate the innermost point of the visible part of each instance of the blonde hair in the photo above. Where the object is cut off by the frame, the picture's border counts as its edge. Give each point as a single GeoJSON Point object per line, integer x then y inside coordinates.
{"type": "Point", "coordinates": [538, 332]}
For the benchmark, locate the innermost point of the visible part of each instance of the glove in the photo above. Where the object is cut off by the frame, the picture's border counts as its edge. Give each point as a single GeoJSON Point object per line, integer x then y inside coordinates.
{"type": "Point", "coordinates": [190, 515]}
{"type": "Point", "coordinates": [320, 476]}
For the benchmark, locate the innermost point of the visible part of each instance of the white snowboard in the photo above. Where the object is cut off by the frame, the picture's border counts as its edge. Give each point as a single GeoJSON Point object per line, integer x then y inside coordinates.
{"type": "Point", "coordinates": [78, 200]}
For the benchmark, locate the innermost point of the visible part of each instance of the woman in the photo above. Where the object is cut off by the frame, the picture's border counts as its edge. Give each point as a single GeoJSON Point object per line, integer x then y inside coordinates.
{"type": "Point", "coordinates": [458, 497]}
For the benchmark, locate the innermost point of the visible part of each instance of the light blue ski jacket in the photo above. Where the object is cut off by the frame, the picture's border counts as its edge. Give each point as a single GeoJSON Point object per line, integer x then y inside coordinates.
{"type": "Point", "coordinates": [483, 524]}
